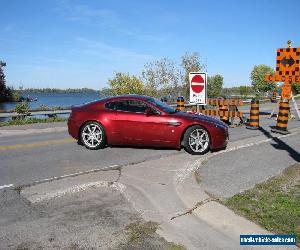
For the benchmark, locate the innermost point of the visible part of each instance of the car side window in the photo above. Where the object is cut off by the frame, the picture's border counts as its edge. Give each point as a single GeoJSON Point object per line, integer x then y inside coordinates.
{"type": "Point", "coordinates": [133, 106]}
{"type": "Point", "coordinates": [111, 105]}
{"type": "Point", "coordinates": [136, 106]}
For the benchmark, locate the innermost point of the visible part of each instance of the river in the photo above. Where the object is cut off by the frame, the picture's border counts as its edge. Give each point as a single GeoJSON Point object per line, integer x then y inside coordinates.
{"type": "Point", "coordinates": [54, 100]}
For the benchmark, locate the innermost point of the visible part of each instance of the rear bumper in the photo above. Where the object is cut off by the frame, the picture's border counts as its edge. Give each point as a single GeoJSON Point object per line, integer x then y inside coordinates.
{"type": "Point", "coordinates": [73, 128]}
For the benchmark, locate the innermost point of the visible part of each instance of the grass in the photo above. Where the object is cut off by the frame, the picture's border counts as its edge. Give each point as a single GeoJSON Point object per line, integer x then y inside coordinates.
{"type": "Point", "coordinates": [31, 121]}
{"type": "Point", "coordinates": [142, 235]}
{"type": "Point", "coordinates": [274, 204]}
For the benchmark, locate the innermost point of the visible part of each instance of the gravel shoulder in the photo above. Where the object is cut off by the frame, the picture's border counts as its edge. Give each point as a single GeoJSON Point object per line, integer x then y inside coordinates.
{"type": "Point", "coordinates": [35, 126]}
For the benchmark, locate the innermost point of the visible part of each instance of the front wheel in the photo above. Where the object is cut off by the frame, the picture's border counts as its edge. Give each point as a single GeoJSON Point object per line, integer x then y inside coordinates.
{"type": "Point", "coordinates": [92, 135]}
{"type": "Point", "coordinates": [196, 140]}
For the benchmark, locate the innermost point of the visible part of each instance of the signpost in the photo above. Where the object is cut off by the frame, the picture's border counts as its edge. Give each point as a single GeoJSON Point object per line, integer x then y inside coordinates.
{"type": "Point", "coordinates": [287, 71]}
{"type": "Point", "coordinates": [198, 88]}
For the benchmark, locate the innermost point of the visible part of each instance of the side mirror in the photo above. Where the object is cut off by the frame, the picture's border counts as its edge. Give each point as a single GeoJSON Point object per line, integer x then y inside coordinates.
{"type": "Point", "coordinates": [149, 112]}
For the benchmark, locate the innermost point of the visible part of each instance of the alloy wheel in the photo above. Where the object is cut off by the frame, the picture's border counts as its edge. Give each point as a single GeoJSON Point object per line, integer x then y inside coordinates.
{"type": "Point", "coordinates": [92, 135]}
{"type": "Point", "coordinates": [199, 140]}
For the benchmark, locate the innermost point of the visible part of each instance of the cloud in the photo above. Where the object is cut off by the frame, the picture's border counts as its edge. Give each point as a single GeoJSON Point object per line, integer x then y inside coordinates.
{"type": "Point", "coordinates": [109, 52]}
{"type": "Point", "coordinates": [89, 15]}
{"type": "Point", "coordinates": [105, 18]}
{"type": "Point", "coordinates": [9, 27]}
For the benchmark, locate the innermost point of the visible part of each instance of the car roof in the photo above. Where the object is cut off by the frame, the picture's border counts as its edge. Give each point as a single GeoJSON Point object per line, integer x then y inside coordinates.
{"type": "Point", "coordinates": [121, 97]}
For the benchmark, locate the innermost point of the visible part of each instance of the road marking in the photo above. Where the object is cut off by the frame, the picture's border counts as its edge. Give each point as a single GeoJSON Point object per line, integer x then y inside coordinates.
{"type": "Point", "coordinates": [36, 144]}
{"type": "Point", "coordinates": [66, 191]}
{"type": "Point", "coordinates": [182, 173]}
{"type": "Point", "coordinates": [113, 167]}
{"type": "Point", "coordinates": [6, 186]}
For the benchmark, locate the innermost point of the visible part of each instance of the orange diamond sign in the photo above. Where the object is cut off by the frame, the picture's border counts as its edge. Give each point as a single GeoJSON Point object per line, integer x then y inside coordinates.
{"type": "Point", "coordinates": [288, 62]}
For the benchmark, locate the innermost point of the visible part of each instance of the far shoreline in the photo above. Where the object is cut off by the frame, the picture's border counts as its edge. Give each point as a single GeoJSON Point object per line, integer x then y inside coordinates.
{"type": "Point", "coordinates": [56, 90]}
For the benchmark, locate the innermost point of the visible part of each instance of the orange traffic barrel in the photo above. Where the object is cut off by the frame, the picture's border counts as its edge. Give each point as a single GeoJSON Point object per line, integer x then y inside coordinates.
{"type": "Point", "coordinates": [254, 115]}
{"type": "Point", "coordinates": [274, 97]}
{"type": "Point", "coordinates": [180, 103]}
{"type": "Point", "coordinates": [282, 118]}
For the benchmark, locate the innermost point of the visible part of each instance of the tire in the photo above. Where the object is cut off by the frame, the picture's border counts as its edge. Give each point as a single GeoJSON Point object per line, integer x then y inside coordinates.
{"type": "Point", "coordinates": [92, 135]}
{"type": "Point", "coordinates": [196, 140]}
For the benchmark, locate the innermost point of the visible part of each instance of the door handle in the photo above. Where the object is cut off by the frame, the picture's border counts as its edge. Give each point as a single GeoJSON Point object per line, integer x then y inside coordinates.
{"type": "Point", "coordinates": [174, 124]}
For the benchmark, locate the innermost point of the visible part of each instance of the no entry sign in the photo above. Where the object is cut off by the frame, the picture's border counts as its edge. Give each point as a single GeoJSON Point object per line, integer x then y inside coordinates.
{"type": "Point", "coordinates": [198, 86]}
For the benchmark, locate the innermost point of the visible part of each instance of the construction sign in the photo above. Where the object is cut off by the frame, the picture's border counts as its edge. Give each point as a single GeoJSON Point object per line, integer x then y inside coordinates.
{"type": "Point", "coordinates": [198, 87]}
{"type": "Point", "coordinates": [287, 62]}
{"type": "Point", "coordinates": [286, 91]}
{"type": "Point", "coordinates": [287, 66]}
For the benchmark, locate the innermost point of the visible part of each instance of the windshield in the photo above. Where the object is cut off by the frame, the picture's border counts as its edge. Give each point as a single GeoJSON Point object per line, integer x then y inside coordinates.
{"type": "Point", "coordinates": [162, 105]}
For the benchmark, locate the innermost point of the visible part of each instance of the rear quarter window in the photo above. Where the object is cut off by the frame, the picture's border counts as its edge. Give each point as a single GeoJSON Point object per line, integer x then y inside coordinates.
{"type": "Point", "coordinates": [111, 105]}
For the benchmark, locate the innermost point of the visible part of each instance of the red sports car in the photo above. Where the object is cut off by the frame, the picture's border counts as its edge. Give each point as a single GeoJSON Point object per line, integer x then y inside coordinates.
{"type": "Point", "coordinates": [144, 121]}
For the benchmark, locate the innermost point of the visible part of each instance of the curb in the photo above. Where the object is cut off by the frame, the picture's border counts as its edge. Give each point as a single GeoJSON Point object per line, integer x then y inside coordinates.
{"type": "Point", "coordinates": [215, 213]}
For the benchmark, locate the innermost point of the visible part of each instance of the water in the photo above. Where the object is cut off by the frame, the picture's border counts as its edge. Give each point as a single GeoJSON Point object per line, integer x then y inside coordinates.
{"type": "Point", "coordinates": [54, 100]}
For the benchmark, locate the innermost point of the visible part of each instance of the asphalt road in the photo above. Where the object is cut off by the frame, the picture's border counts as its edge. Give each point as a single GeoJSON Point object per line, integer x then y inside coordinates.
{"type": "Point", "coordinates": [101, 216]}
{"type": "Point", "coordinates": [28, 158]}
{"type": "Point", "coordinates": [56, 154]}
{"type": "Point", "coordinates": [233, 172]}
{"type": "Point", "coordinates": [93, 219]}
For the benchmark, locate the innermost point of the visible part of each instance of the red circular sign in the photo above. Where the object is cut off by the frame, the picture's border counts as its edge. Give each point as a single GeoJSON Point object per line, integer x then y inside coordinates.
{"type": "Point", "coordinates": [197, 83]}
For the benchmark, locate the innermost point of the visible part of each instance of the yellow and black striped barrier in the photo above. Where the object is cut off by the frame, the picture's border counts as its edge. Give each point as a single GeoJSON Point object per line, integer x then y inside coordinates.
{"type": "Point", "coordinates": [224, 114]}
{"type": "Point", "coordinates": [180, 103]}
{"type": "Point", "coordinates": [282, 119]}
{"type": "Point", "coordinates": [215, 112]}
{"type": "Point", "coordinates": [274, 97]}
{"type": "Point", "coordinates": [225, 102]}
{"type": "Point", "coordinates": [254, 115]}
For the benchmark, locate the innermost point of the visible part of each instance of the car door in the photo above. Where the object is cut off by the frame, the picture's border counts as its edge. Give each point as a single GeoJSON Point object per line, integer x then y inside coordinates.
{"type": "Point", "coordinates": [137, 128]}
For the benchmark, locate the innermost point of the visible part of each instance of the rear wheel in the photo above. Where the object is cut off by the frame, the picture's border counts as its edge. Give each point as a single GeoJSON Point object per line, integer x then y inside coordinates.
{"type": "Point", "coordinates": [196, 140]}
{"type": "Point", "coordinates": [92, 135]}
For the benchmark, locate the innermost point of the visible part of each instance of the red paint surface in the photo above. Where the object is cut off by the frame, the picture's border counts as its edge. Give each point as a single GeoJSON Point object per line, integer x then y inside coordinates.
{"type": "Point", "coordinates": [140, 129]}
{"type": "Point", "coordinates": [197, 88]}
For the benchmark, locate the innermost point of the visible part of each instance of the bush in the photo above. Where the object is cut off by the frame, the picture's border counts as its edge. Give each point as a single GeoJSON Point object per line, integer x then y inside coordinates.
{"type": "Point", "coordinates": [22, 109]}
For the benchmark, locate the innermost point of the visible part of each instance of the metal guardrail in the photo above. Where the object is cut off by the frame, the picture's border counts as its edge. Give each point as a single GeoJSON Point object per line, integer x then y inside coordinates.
{"type": "Point", "coordinates": [68, 111]}
{"type": "Point", "coordinates": [34, 113]}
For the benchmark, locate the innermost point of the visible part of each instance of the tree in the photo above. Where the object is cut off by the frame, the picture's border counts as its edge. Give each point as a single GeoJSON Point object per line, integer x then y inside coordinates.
{"type": "Point", "coordinates": [106, 92]}
{"type": "Point", "coordinates": [3, 89]}
{"type": "Point", "coordinates": [296, 88]}
{"type": "Point", "coordinates": [126, 84]}
{"type": "Point", "coordinates": [214, 85]}
{"type": "Point", "coordinates": [257, 77]}
{"type": "Point", "coordinates": [160, 76]}
{"type": "Point", "coordinates": [190, 63]}
{"type": "Point", "coordinates": [245, 90]}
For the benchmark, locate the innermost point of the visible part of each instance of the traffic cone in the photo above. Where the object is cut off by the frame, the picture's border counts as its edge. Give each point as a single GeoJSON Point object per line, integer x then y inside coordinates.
{"type": "Point", "coordinates": [254, 115]}
{"type": "Point", "coordinates": [180, 103]}
{"type": "Point", "coordinates": [282, 119]}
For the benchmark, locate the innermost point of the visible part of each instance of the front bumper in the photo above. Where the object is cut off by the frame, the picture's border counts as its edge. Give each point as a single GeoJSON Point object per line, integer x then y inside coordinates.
{"type": "Point", "coordinates": [220, 138]}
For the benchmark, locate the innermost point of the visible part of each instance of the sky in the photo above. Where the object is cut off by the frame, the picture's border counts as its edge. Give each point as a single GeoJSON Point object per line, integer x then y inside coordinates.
{"type": "Point", "coordinates": [83, 43]}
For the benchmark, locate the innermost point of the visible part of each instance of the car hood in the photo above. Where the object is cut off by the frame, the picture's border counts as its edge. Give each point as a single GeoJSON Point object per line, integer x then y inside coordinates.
{"type": "Point", "coordinates": [201, 118]}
